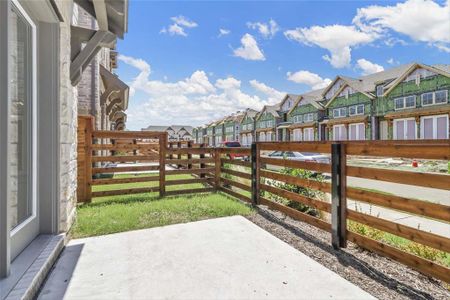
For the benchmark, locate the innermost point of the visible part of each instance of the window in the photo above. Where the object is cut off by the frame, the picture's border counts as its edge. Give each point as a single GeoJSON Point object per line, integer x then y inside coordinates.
{"type": "Point", "coordinates": [339, 133]}
{"type": "Point", "coordinates": [427, 99]}
{"type": "Point", "coordinates": [269, 136]}
{"type": "Point", "coordinates": [297, 135]}
{"type": "Point", "coordinates": [309, 117]}
{"type": "Point", "coordinates": [249, 138]}
{"type": "Point", "coordinates": [434, 127]}
{"type": "Point", "coordinates": [440, 96]}
{"type": "Point", "coordinates": [244, 140]}
{"type": "Point", "coordinates": [298, 118]}
{"type": "Point", "coordinates": [405, 129]}
{"type": "Point", "coordinates": [380, 90]}
{"type": "Point", "coordinates": [340, 112]}
{"type": "Point", "coordinates": [308, 134]}
{"type": "Point", "coordinates": [405, 102]}
{"type": "Point", "coordinates": [431, 98]}
{"type": "Point", "coordinates": [383, 130]}
{"type": "Point", "coordinates": [356, 110]}
{"type": "Point", "coordinates": [357, 132]}
{"type": "Point", "coordinates": [262, 137]}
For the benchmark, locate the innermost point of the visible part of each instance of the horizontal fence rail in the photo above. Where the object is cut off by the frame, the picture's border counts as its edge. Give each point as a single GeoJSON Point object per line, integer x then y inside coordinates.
{"type": "Point", "coordinates": [253, 176]}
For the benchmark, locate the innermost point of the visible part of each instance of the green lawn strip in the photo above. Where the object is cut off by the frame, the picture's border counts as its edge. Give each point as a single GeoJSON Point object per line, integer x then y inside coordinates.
{"type": "Point", "coordinates": [137, 212]}
{"type": "Point", "coordinates": [143, 196]}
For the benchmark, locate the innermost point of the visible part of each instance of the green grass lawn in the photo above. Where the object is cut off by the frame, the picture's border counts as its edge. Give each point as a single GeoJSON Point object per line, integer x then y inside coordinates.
{"type": "Point", "coordinates": [105, 215]}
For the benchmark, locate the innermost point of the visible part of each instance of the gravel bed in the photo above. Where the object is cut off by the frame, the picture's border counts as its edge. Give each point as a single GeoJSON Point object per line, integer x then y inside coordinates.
{"type": "Point", "coordinates": [377, 275]}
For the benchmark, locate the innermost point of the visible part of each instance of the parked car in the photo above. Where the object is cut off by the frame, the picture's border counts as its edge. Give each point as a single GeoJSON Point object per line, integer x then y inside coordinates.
{"type": "Point", "coordinates": [234, 144]}
{"type": "Point", "coordinates": [299, 156]}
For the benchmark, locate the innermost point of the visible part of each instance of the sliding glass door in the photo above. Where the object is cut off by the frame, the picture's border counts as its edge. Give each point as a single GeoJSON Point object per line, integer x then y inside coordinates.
{"type": "Point", "coordinates": [23, 202]}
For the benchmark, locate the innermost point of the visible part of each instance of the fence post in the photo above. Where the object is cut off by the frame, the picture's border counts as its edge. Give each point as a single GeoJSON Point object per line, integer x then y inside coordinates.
{"type": "Point", "coordinates": [179, 155]}
{"type": "Point", "coordinates": [218, 165]}
{"type": "Point", "coordinates": [88, 153]}
{"type": "Point", "coordinates": [202, 165]}
{"type": "Point", "coordinates": [189, 145]}
{"type": "Point", "coordinates": [255, 173]}
{"type": "Point", "coordinates": [338, 196]}
{"type": "Point", "coordinates": [162, 164]}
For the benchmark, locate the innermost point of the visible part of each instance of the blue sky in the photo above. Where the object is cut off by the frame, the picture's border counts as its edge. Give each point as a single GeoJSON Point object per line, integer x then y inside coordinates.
{"type": "Point", "coordinates": [191, 62]}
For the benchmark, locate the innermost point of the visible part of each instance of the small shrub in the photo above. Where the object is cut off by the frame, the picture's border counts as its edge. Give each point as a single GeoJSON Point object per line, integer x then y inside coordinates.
{"type": "Point", "coordinates": [365, 230]}
{"type": "Point", "coordinates": [307, 192]}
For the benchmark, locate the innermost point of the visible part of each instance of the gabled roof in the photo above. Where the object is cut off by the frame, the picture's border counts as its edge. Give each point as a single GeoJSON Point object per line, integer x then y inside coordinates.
{"type": "Point", "coordinates": [155, 128]}
{"type": "Point", "coordinates": [251, 113]}
{"type": "Point", "coordinates": [272, 109]}
{"type": "Point", "coordinates": [356, 84]}
{"type": "Point", "coordinates": [293, 97]}
{"type": "Point", "coordinates": [439, 69]}
{"type": "Point", "coordinates": [312, 97]}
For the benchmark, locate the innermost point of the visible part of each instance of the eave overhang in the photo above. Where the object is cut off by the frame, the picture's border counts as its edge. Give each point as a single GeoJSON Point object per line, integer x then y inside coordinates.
{"type": "Point", "coordinates": [112, 20]}
{"type": "Point", "coordinates": [116, 91]}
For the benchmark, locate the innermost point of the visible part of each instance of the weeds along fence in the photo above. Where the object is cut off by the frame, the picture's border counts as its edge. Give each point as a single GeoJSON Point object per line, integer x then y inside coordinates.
{"type": "Point", "coordinates": [250, 175]}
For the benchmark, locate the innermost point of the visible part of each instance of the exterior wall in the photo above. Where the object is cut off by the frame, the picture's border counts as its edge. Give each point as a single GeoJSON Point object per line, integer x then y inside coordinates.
{"type": "Point", "coordinates": [229, 131]}
{"type": "Point", "coordinates": [353, 99]}
{"type": "Point", "coordinates": [302, 110]}
{"type": "Point", "coordinates": [218, 134]}
{"type": "Point", "coordinates": [68, 111]}
{"type": "Point", "coordinates": [385, 105]}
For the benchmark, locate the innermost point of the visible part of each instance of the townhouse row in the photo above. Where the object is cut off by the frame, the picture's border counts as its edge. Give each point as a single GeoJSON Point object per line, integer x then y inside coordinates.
{"type": "Point", "coordinates": [407, 102]}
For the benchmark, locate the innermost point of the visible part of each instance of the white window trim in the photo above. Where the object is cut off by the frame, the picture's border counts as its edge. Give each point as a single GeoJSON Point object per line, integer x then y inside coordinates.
{"type": "Point", "coordinates": [339, 109]}
{"type": "Point", "coordinates": [434, 118]}
{"type": "Point", "coordinates": [356, 110]}
{"type": "Point", "coordinates": [404, 102]}
{"type": "Point", "coordinates": [334, 130]}
{"type": "Point", "coordinates": [306, 132]}
{"type": "Point", "coordinates": [357, 125]}
{"type": "Point", "coordinates": [434, 98]}
{"type": "Point", "coordinates": [33, 121]}
{"type": "Point", "coordinates": [395, 121]}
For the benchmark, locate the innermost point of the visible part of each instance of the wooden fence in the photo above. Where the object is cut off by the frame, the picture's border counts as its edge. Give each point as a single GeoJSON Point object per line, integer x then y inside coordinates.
{"type": "Point", "coordinates": [245, 173]}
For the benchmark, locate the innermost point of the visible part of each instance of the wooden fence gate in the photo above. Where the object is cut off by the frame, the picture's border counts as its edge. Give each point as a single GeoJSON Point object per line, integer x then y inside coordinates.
{"type": "Point", "coordinates": [103, 154]}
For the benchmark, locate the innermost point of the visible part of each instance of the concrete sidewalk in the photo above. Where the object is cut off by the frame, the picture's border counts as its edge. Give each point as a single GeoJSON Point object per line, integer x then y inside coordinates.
{"type": "Point", "coordinates": [226, 258]}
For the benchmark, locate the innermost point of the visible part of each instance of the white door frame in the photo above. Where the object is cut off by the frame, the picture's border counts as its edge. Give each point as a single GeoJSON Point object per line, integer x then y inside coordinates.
{"type": "Point", "coordinates": [5, 239]}
{"type": "Point", "coordinates": [434, 117]}
{"type": "Point", "coordinates": [395, 121]}
{"type": "Point", "coordinates": [23, 233]}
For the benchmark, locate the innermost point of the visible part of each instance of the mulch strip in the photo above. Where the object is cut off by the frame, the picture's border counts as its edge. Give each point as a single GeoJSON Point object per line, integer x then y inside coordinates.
{"type": "Point", "coordinates": [380, 276]}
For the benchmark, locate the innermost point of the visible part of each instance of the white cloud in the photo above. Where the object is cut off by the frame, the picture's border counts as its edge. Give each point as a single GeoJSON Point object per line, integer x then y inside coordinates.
{"type": "Point", "coordinates": [223, 32]}
{"type": "Point", "coordinates": [421, 20]}
{"type": "Point", "coordinates": [267, 30]}
{"type": "Point", "coordinates": [249, 49]}
{"type": "Point", "coordinates": [272, 94]}
{"type": "Point", "coordinates": [392, 61]}
{"type": "Point", "coordinates": [174, 29]}
{"type": "Point", "coordinates": [313, 80]}
{"type": "Point", "coordinates": [443, 47]}
{"type": "Point", "coordinates": [368, 67]}
{"type": "Point", "coordinates": [337, 39]}
{"type": "Point", "coordinates": [194, 100]}
{"type": "Point", "coordinates": [183, 21]}
{"type": "Point", "coordinates": [179, 26]}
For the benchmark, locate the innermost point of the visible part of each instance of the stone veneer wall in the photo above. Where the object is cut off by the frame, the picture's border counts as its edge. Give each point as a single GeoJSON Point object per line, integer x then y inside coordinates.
{"type": "Point", "coordinates": [68, 113]}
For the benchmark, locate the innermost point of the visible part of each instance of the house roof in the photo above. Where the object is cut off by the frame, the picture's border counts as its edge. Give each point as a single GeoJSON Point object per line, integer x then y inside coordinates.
{"type": "Point", "coordinates": [155, 128]}
{"type": "Point", "coordinates": [440, 69]}
{"type": "Point", "coordinates": [293, 97]}
{"type": "Point", "coordinates": [312, 97]}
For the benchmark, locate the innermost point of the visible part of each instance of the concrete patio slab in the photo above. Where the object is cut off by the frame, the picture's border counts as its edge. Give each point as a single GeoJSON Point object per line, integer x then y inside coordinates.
{"type": "Point", "coordinates": [225, 258]}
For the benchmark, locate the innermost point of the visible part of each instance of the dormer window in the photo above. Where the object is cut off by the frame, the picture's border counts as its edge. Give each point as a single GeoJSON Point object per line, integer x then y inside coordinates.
{"type": "Point", "coordinates": [380, 91]}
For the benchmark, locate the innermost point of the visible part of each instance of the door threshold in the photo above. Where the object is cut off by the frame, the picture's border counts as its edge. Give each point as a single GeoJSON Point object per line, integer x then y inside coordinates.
{"type": "Point", "coordinates": [30, 268]}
